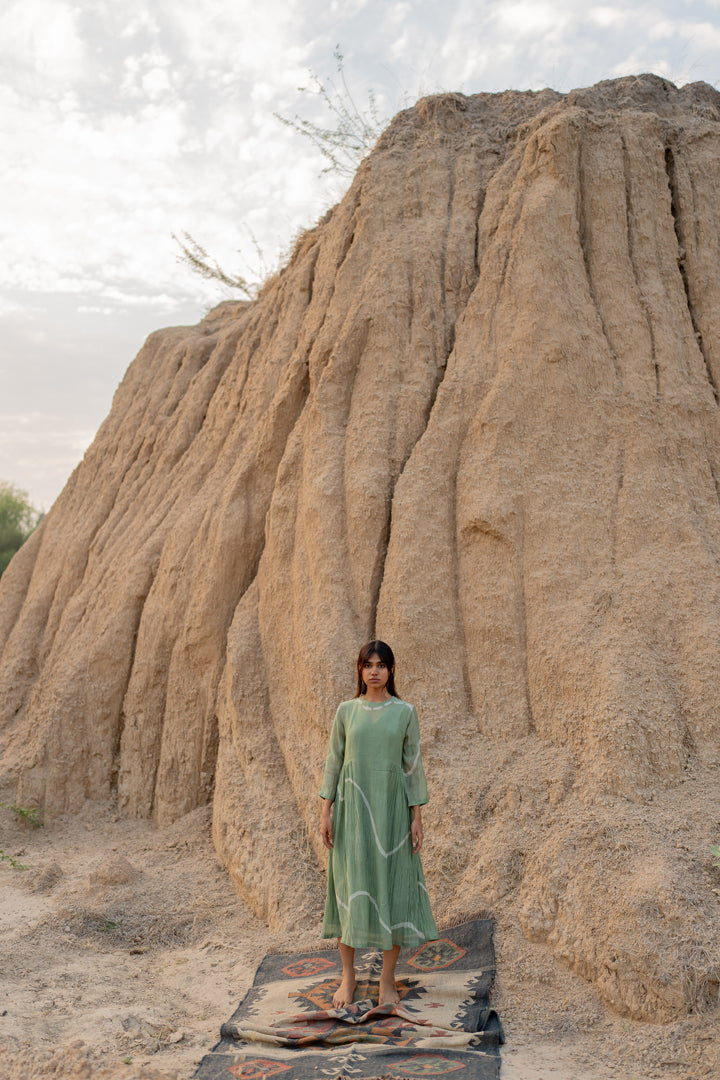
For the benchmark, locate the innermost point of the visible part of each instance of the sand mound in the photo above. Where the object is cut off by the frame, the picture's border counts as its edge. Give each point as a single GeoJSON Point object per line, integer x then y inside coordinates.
{"type": "Point", "coordinates": [115, 870]}
{"type": "Point", "coordinates": [477, 415]}
{"type": "Point", "coordinates": [75, 1062]}
{"type": "Point", "coordinates": [45, 878]}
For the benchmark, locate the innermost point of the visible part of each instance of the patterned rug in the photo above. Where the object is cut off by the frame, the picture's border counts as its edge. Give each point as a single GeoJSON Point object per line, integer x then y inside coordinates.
{"type": "Point", "coordinates": [286, 1026]}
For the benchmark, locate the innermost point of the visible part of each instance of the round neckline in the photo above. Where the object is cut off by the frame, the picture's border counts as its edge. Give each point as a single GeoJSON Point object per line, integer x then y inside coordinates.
{"type": "Point", "coordinates": [380, 704]}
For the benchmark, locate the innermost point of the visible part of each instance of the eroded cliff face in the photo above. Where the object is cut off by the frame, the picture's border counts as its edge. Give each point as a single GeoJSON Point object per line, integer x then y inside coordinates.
{"type": "Point", "coordinates": [477, 416]}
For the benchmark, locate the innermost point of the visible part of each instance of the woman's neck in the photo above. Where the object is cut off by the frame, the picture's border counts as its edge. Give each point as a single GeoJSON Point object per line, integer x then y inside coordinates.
{"type": "Point", "coordinates": [373, 693]}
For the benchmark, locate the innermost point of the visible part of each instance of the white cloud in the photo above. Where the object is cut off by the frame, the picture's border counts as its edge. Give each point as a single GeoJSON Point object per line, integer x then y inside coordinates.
{"type": "Point", "coordinates": [705, 35]}
{"type": "Point", "coordinates": [348, 8]}
{"type": "Point", "coordinates": [607, 16]}
{"type": "Point", "coordinates": [140, 21]}
{"type": "Point", "coordinates": [399, 12]}
{"type": "Point", "coordinates": [530, 17]}
{"type": "Point", "coordinates": [38, 451]}
{"type": "Point", "coordinates": [146, 75]}
{"type": "Point", "coordinates": [12, 307]}
{"type": "Point", "coordinates": [25, 427]}
{"type": "Point", "coordinates": [41, 36]}
{"type": "Point", "coordinates": [662, 28]}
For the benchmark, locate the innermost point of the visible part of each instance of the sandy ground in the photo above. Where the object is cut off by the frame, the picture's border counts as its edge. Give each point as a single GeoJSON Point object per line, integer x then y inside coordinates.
{"type": "Point", "coordinates": [124, 947]}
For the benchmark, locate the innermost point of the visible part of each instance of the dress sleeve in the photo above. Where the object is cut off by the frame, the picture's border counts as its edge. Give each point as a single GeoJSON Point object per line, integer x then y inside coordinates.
{"type": "Point", "coordinates": [412, 766]}
{"type": "Point", "coordinates": [335, 757]}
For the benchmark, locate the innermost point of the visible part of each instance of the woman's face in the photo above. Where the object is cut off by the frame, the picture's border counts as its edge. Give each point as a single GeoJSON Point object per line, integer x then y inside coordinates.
{"type": "Point", "coordinates": [375, 672]}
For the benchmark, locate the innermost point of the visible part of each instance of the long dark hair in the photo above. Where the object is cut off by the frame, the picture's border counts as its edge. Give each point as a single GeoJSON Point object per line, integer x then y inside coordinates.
{"type": "Point", "coordinates": [386, 655]}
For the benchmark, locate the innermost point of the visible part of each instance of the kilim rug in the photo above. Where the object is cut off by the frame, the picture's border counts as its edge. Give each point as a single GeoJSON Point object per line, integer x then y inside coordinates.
{"type": "Point", "coordinates": [286, 1027]}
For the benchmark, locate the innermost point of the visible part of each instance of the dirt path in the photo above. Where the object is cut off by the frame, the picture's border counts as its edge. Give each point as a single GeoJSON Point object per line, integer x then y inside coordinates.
{"type": "Point", "coordinates": [124, 948]}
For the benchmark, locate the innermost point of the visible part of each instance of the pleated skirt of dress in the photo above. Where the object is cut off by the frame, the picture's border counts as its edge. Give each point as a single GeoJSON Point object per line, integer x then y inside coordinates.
{"type": "Point", "coordinates": [376, 895]}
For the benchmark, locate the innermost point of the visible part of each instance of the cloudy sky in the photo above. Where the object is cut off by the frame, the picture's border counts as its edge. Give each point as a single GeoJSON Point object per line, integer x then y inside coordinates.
{"type": "Point", "coordinates": [125, 121]}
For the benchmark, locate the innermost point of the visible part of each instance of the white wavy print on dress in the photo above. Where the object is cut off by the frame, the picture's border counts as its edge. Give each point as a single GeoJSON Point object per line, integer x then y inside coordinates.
{"type": "Point", "coordinates": [381, 849]}
{"type": "Point", "coordinates": [395, 926]}
{"type": "Point", "coordinates": [413, 767]}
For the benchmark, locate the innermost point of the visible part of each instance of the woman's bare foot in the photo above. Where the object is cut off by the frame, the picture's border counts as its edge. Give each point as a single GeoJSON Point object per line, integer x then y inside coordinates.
{"type": "Point", "coordinates": [345, 992]}
{"type": "Point", "coordinates": [388, 992]}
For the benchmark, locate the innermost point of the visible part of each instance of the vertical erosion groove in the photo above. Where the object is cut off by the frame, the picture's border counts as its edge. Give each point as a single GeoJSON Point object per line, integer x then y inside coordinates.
{"type": "Point", "coordinates": [311, 274]}
{"type": "Point", "coordinates": [476, 246]}
{"type": "Point", "coordinates": [532, 728]}
{"type": "Point", "coordinates": [586, 249]}
{"type": "Point", "coordinates": [681, 261]}
{"type": "Point", "coordinates": [633, 262]}
{"type": "Point", "coordinates": [616, 508]}
{"type": "Point", "coordinates": [446, 230]}
{"type": "Point", "coordinates": [714, 476]}
{"type": "Point", "coordinates": [115, 758]}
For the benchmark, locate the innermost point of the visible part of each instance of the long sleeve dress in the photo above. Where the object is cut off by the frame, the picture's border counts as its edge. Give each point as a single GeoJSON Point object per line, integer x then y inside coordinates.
{"type": "Point", "coordinates": [376, 894]}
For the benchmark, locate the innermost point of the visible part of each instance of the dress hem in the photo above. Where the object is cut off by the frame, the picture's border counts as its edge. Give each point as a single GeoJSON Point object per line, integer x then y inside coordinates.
{"type": "Point", "coordinates": [405, 942]}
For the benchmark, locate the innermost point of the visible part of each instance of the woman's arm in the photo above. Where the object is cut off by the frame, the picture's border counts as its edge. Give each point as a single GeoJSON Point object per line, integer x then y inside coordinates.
{"type": "Point", "coordinates": [326, 823]}
{"type": "Point", "coordinates": [416, 829]}
{"type": "Point", "coordinates": [412, 766]}
{"type": "Point", "coordinates": [335, 757]}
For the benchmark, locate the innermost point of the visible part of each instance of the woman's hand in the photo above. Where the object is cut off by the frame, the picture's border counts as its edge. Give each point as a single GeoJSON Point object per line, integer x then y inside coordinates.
{"type": "Point", "coordinates": [326, 825]}
{"type": "Point", "coordinates": [416, 830]}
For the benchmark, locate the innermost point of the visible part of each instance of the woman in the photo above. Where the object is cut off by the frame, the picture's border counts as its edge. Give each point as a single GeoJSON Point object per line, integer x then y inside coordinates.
{"type": "Point", "coordinates": [373, 788]}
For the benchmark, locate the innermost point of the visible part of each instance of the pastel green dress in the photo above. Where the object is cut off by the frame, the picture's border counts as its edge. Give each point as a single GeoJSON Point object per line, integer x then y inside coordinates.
{"type": "Point", "coordinates": [376, 894]}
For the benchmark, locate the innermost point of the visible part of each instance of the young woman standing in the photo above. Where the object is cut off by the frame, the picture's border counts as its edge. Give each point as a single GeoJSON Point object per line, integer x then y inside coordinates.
{"type": "Point", "coordinates": [373, 788]}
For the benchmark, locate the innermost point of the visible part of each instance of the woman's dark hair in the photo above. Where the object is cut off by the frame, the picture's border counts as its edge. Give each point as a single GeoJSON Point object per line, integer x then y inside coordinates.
{"type": "Point", "coordinates": [386, 655]}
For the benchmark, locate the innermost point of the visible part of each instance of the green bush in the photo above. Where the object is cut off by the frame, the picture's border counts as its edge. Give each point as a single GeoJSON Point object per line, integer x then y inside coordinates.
{"type": "Point", "coordinates": [18, 518]}
{"type": "Point", "coordinates": [33, 815]}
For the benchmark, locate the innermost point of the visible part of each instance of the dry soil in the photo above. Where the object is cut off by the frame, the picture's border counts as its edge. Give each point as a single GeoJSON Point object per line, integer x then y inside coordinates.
{"type": "Point", "coordinates": [124, 947]}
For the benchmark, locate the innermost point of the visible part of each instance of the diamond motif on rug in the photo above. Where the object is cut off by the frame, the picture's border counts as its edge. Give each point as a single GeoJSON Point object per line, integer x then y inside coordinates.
{"type": "Point", "coordinates": [434, 955]}
{"type": "Point", "coordinates": [312, 966]}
